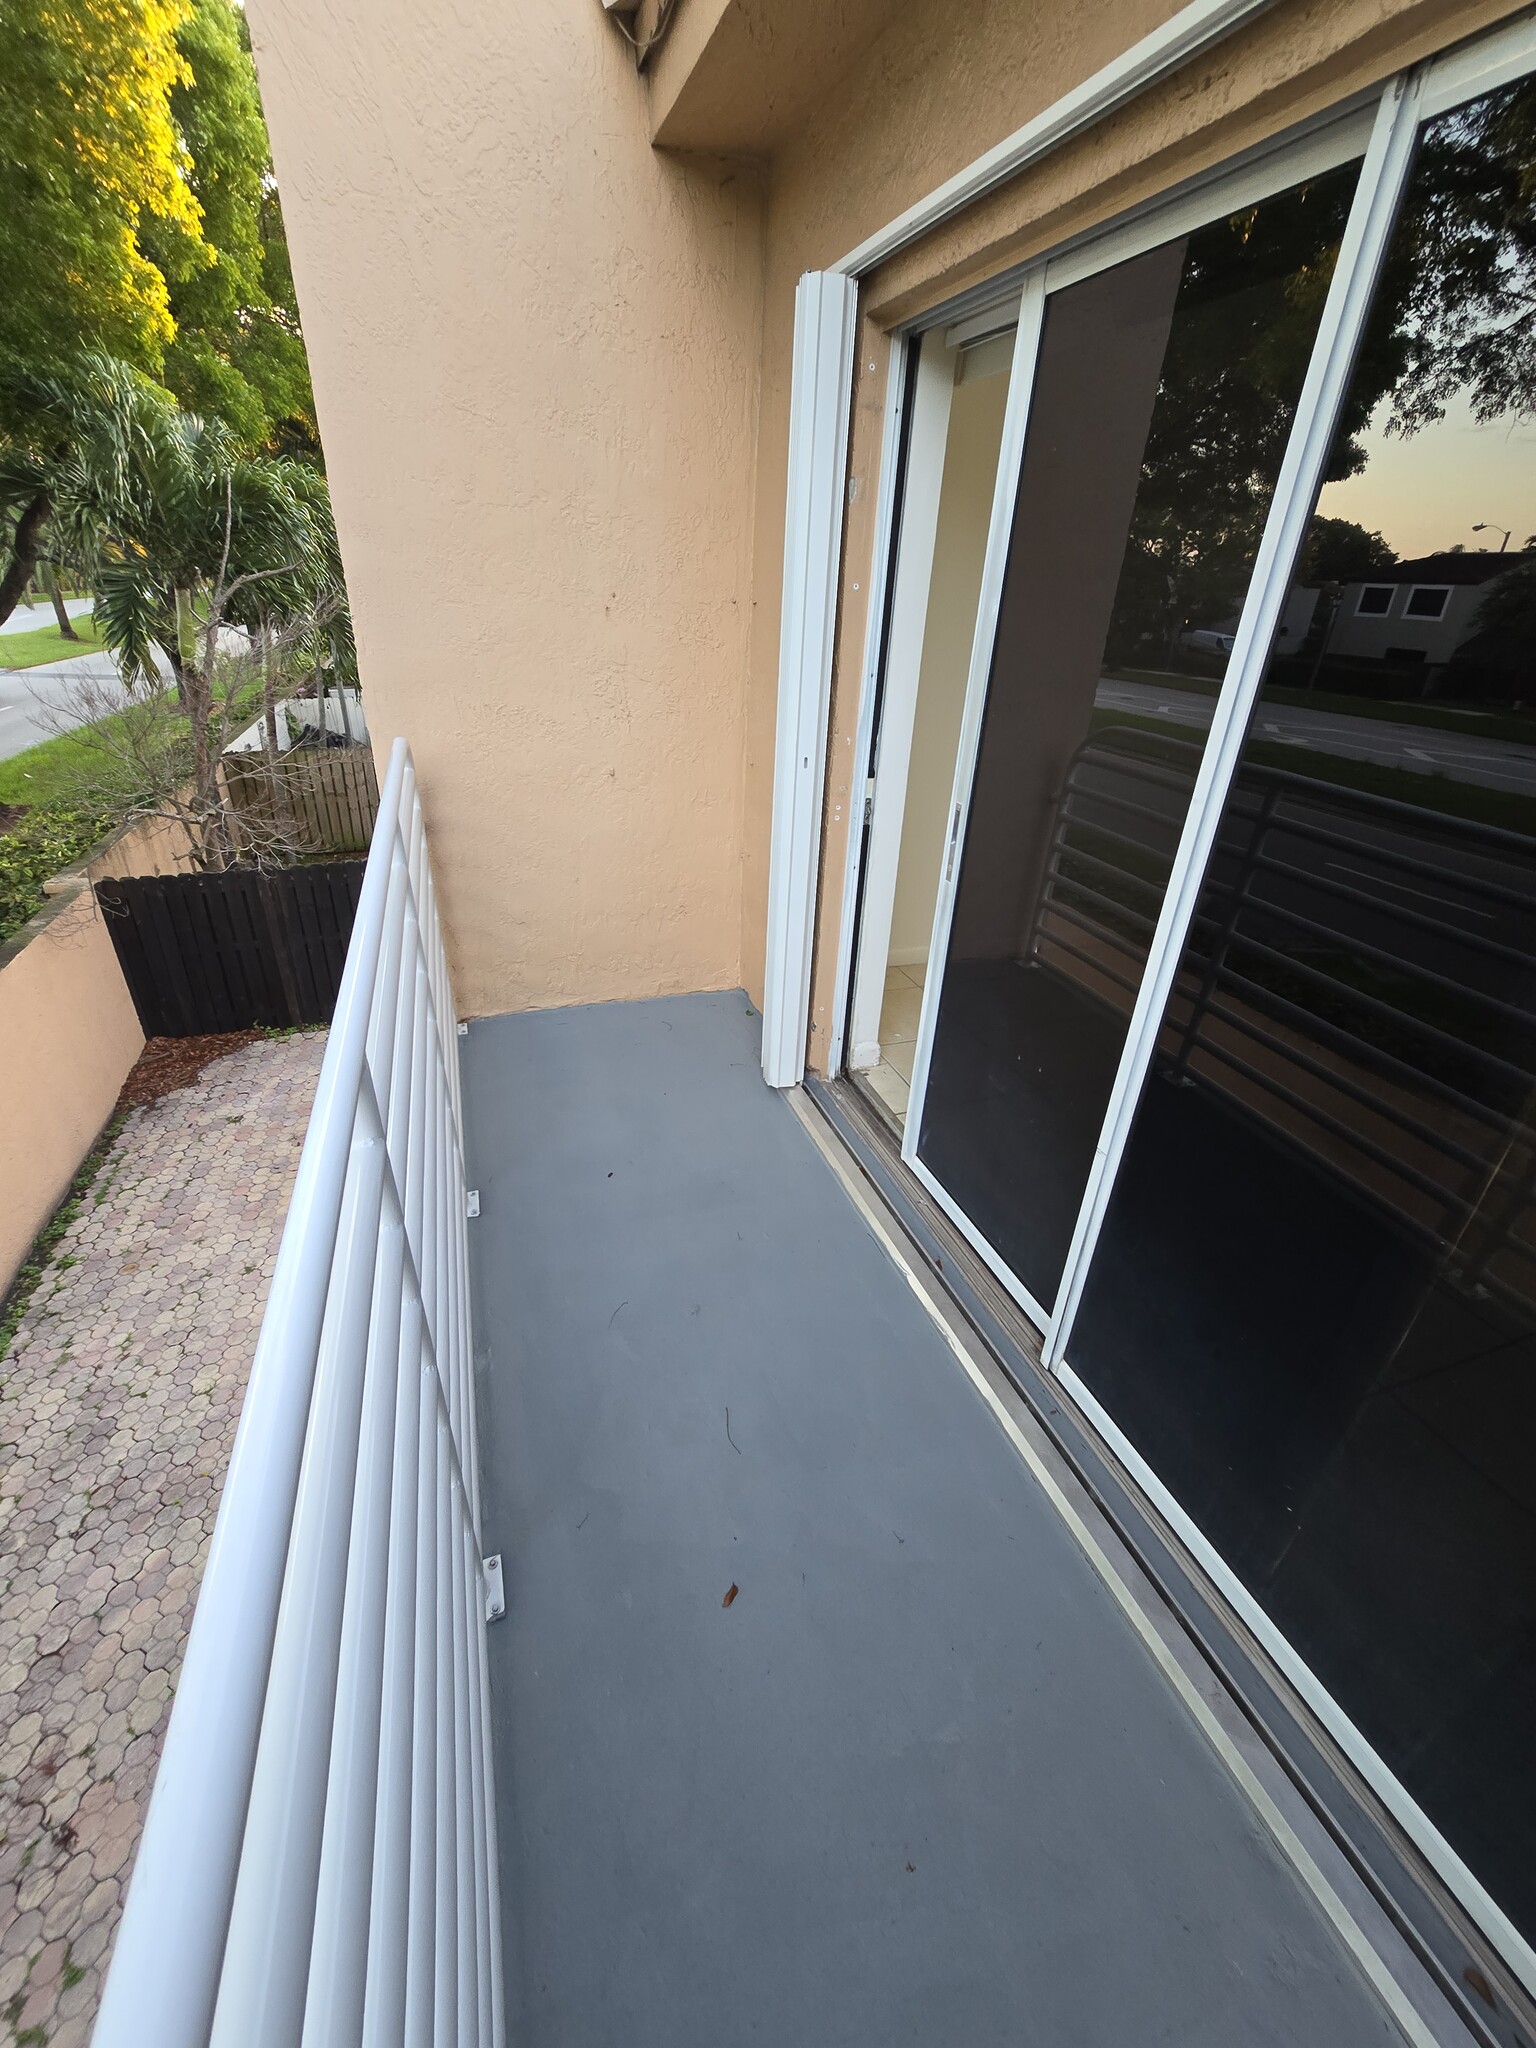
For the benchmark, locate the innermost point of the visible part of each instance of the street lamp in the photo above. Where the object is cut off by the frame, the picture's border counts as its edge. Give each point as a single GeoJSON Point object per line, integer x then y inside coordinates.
{"type": "Point", "coordinates": [1483, 526]}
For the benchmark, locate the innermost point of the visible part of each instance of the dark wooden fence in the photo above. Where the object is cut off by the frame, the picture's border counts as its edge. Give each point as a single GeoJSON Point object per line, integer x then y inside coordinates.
{"type": "Point", "coordinates": [223, 952]}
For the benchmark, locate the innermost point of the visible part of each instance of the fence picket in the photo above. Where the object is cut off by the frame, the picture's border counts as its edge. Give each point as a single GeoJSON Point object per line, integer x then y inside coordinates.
{"type": "Point", "coordinates": [203, 953]}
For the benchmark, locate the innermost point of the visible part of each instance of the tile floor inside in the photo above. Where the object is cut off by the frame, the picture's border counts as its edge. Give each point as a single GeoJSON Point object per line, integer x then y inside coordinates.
{"type": "Point", "coordinates": [891, 1081]}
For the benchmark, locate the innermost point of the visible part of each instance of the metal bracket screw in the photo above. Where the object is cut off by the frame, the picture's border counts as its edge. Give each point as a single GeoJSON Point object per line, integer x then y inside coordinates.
{"type": "Point", "coordinates": [495, 1589]}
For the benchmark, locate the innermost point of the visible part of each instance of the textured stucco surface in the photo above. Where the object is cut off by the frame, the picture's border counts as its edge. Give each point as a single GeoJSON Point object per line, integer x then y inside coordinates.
{"type": "Point", "coordinates": [118, 1403]}
{"type": "Point", "coordinates": [68, 1035]}
{"type": "Point", "coordinates": [534, 343]}
{"type": "Point", "coordinates": [552, 366]}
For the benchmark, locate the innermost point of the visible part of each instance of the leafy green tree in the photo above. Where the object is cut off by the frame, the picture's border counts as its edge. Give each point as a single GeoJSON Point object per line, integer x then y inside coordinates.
{"type": "Point", "coordinates": [238, 354]}
{"type": "Point", "coordinates": [66, 452]}
{"type": "Point", "coordinates": [1241, 335]}
{"type": "Point", "coordinates": [1341, 551]}
{"type": "Point", "coordinates": [92, 160]}
{"type": "Point", "coordinates": [1497, 660]}
{"type": "Point", "coordinates": [1456, 311]}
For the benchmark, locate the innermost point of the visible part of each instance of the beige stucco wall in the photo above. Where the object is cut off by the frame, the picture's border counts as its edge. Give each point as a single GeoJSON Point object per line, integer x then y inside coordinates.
{"type": "Point", "coordinates": [534, 341]}
{"type": "Point", "coordinates": [552, 368]}
{"type": "Point", "coordinates": [68, 1037]}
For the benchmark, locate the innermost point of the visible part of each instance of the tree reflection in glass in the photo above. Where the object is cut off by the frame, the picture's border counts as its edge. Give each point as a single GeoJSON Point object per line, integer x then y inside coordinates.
{"type": "Point", "coordinates": [1313, 1304]}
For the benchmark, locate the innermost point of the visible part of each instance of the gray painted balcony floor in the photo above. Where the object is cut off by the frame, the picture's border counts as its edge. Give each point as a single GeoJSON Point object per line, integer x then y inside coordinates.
{"type": "Point", "coordinates": [920, 1782]}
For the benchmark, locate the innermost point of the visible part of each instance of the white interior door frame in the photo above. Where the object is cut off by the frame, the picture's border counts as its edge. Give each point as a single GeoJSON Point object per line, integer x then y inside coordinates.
{"type": "Point", "coordinates": [1010, 456]}
{"type": "Point", "coordinates": [928, 436]}
{"type": "Point", "coordinates": [820, 404]}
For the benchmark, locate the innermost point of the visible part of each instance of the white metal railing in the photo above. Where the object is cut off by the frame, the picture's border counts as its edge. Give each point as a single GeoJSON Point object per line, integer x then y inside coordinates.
{"type": "Point", "coordinates": [318, 1864]}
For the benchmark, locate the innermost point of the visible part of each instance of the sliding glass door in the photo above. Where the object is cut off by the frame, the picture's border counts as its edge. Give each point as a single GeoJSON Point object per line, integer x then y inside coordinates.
{"type": "Point", "coordinates": [1225, 1050]}
{"type": "Point", "coordinates": [1312, 1303]}
{"type": "Point", "coordinates": [1162, 395]}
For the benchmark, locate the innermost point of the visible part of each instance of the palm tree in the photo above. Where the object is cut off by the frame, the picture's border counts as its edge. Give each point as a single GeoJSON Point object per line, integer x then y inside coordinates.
{"type": "Point", "coordinates": [179, 534]}
{"type": "Point", "coordinates": [205, 539]}
{"type": "Point", "coordinates": [65, 439]}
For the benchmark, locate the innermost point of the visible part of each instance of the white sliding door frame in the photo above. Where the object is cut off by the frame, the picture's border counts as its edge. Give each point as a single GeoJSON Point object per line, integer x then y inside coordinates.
{"type": "Point", "coordinates": [1371, 218]}
{"type": "Point", "coordinates": [887, 507]}
{"type": "Point", "coordinates": [821, 400]}
{"type": "Point", "coordinates": [1021, 383]}
{"type": "Point", "coordinates": [824, 367]}
{"type": "Point", "coordinates": [1322, 148]}
{"type": "Point", "coordinates": [927, 438]}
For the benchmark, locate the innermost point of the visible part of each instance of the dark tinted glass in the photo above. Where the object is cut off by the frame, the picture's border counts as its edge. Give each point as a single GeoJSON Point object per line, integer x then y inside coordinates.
{"type": "Point", "coordinates": [1313, 1305]}
{"type": "Point", "coordinates": [1163, 394]}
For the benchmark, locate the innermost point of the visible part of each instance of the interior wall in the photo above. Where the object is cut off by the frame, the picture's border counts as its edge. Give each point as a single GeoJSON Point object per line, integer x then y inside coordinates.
{"type": "Point", "coordinates": [534, 342]}
{"type": "Point", "coordinates": [1096, 382]}
{"type": "Point", "coordinates": [959, 549]}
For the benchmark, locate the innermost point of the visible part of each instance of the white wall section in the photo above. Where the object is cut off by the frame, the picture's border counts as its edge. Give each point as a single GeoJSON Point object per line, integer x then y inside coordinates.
{"type": "Point", "coordinates": [821, 396]}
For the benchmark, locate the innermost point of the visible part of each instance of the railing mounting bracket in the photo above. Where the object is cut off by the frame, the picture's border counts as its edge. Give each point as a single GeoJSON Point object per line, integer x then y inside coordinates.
{"type": "Point", "coordinates": [463, 1031]}
{"type": "Point", "coordinates": [495, 1591]}
{"type": "Point", "coordinates": [472, 1202]}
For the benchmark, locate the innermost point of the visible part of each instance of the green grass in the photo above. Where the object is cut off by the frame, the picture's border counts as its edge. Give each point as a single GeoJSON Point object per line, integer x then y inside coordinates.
{"type": "Point", "coordinates": [47, 643]}
{"type": "Point", "coordinates": [51, 770]}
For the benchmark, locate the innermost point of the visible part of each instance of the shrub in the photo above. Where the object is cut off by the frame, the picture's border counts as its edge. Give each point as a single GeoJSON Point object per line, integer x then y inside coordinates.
{"type": "Point", "coordinates": [37, 846]}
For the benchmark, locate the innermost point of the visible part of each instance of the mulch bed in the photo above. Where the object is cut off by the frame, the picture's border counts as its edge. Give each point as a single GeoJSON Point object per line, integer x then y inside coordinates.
{"type": "Point", "coordinates": [11, 814]}
{"type": "Point", "coordinates": [167, 1064]}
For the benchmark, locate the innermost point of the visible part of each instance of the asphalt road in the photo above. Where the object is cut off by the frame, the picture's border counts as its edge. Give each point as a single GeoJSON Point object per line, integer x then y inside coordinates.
{"type": "Point", "coordinates": [28, 617]}
{"type": "Point", "coordinates": [39, 703]}
{"type": "Point", "coordinates": [1426, 750]}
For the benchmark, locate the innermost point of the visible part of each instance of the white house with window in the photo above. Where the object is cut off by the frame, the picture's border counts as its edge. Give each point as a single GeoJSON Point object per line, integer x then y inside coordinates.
{"type": "Point", "coordinates": [1415, 611]}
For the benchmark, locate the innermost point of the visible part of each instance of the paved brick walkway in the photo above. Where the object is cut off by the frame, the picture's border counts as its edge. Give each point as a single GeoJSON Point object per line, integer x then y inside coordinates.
{"type": "Point", "coordinates": [117, 1412]}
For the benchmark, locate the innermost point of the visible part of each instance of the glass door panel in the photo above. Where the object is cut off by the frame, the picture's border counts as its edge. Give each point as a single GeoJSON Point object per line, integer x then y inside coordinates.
{"type": "Point", "coordinates": [958, 397]}
{"type": "Point", "coordinates": [1312, 1305]}
{"type": "Point", "coordinates": [1164, 390]}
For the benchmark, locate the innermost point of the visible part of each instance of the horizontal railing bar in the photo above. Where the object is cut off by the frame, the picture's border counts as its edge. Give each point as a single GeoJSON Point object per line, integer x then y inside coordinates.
{"type": "Point", "coordinates": [328, 1771]}
{"type": "Point", "coordinates": [1426, 1134]}
{"type": "Point", "coordinates": [1286, 826]}
{"type": "Point", "coordinates": [164, 1978]}
{"type": "Point", "coordinates": [1393, 1163]}
{"type": "Point", "coordinates": [338, 1960]}
{"type": "Point", "coordinates": [1464, 1047]}
{"type": "Point", "coordinates": [1282, 1008]}
{"type": "Point", "coordinates": [1044, 936]}
{"type": "Point", "coordinates": [262, 1987]}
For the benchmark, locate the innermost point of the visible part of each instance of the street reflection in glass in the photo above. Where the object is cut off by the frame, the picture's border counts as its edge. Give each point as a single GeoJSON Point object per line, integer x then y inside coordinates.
{"type": "Point", "coordinates": [1313, 1304]}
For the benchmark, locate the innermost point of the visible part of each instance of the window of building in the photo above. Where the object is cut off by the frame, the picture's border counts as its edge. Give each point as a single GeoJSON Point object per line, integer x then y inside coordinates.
{"type": "Point", "coordinates": [1375, 600]}
{"type": "Point", "coordinates": [1426, 601]}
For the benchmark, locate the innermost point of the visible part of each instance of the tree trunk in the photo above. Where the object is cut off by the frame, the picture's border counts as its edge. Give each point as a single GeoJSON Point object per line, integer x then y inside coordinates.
{"type": "Point", "coordinates": [214, 851]}
{"type": "Point", "coordinates": [26, 545]}
{"type": "Point", "coordinates": [268, 690]}
{"type": "Point", "coordinates": [51, 580]}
